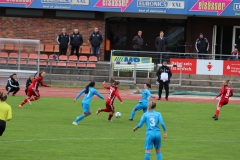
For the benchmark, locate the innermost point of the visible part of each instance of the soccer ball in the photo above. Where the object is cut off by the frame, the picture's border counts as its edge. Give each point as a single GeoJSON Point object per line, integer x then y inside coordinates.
{"type": "Point", "coordinates": [118, 114]}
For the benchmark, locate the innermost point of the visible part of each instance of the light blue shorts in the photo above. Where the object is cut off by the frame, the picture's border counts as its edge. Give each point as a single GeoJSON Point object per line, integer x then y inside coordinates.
{"type": "Point", "coordinates": [153, 139]}
{"type": "Point", "coordinates": [141, 106]}
{"type": "Point", "coordinates": [85, 108]}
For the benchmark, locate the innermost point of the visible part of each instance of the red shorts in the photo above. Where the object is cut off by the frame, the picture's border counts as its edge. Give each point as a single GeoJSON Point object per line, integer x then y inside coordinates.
{"type": "Point", "coordinates": [222, 102]}
{"type": "Point", "coordinates": [32, 92]}
{"type": "Point", "coordinates": [109, 106]}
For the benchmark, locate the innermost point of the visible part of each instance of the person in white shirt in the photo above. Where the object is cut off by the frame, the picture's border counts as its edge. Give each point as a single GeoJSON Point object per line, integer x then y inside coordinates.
{"type": "Point", "coordinates": [163, 77]}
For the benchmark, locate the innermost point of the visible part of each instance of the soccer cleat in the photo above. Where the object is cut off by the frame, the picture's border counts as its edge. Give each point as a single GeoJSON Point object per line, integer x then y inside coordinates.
{"type": "Point", "coordinates": [13, 94]}
{"type": "Point", "coordinates": [20, 106]}
{"type": "Point", "coordinates": [216, 118]}
{"type": "Point", "coordinates": [29, 102]}
{"type": "Point", "coordinates": [166, 98]}
{"type": "Point", "coordinates": [98, 111]}
{"type": "Point", "coordinates": [159, 98]}
{"type": "Point", "coordinates": [75, 123]}
{"type": "Point", "coordinates": [130, 119]}
{"type": "Point", "coordinates": [109, 120]}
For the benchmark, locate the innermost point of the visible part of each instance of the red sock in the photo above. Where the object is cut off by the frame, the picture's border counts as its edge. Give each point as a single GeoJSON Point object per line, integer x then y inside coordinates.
{"type": "Point", "coordinates": [24, 101]}
{"type": "Point", "coordinates": [217, 112]}
{"type": "Point", "coordinates": [110, 116]}
{"type": "Point", "coordinates": [34, 99]}
{"type": "Point", "coordinates": [105, 110]}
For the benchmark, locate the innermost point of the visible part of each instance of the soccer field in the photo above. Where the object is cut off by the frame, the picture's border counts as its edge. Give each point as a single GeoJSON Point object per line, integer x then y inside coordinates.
{"type": "Point", "coordinates": [45, 131]}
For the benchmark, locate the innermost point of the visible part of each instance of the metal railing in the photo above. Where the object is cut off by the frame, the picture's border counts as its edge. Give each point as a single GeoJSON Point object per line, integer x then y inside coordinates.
{"type": "Point", "coordinates": [159, 57]}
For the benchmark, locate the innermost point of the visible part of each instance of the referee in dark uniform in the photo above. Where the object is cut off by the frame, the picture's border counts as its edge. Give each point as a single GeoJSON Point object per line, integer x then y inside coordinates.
{"type": "Point", "coordinates": [163, 77]}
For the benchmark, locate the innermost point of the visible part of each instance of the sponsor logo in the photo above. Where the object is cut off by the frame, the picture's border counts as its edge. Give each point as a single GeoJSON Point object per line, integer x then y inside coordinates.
{"type": "Point", "coordinates": [26, 2]}
{"type": "Point", "coordinates": [161, 4]}
{"type": "Point", "coordinates": [71, 2]}
{"type": "Point", "coordinates": [211, 6]}
{"type": "Point", "coordinates": [122, 4]}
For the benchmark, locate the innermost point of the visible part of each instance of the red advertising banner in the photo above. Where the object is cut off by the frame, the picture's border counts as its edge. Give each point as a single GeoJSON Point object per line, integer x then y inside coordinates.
{"type": "Point", "coordinates": [231, 68]}
{"type": "Point", "coordinates": [189, 66]}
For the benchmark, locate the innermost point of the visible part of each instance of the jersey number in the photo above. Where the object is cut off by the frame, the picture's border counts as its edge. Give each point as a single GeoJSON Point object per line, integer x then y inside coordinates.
{"type": "Point", "coordinates": [152, 122]}
{"type": "Point", "coordinates": [228, 93]}
{"type": "Point", "coordinates": [111, 90]}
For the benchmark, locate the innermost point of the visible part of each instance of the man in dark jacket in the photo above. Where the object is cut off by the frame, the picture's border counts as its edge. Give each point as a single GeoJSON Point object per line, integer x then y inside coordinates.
{"type": "Point", "coordinates": [202, 46]}
{"type": "Point", "coordinates": [76, 41]}
{"type": "Point", "coordinates": [138, 42]}
{"type": "Point", "coordinates": [163, 77]}
{"type": "Point", "coordinates": [63, 40]}
{"type": "Point", "coordinates": [12, 84]}
{"type": "Point", "coordinates": [161, 43]}
{"type": "Point", "coordinates": [95, 40]}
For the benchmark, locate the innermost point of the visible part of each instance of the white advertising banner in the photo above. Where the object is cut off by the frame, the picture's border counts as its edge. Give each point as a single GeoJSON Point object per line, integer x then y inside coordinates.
{"type": "Point", "coordinates": [210, 67]}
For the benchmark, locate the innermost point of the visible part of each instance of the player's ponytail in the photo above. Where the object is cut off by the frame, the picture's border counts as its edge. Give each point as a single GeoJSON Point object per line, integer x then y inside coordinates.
{"type": "Point", "coordinates": [148, 85]}
{"type": "Point", "coordinates": [112, 80]}
{"type": "Point", "coordinates": [91, 84]}
{"type": "Point", "coordinates": [3, 97]}
{"type": "Point", "coordinates": [152, 105]}
{"type": "Point", "coordinates": [227, 81]}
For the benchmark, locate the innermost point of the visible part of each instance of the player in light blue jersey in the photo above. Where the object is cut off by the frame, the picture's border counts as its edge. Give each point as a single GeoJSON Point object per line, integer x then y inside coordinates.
{"type": "Point", "coordinates": [89, 92]}
{"type": "Point", "coordinates": [153, 135]}
{"type": "Point", "coordinates": [143, 103]}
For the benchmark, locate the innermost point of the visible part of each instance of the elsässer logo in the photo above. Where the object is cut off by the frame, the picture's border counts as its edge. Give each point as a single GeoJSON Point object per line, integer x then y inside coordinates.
{"type": "Point", "coordinates": [211, 6]}
{"type": "Point", "coordinates": [26, 2]}
{"type": "Point", "coordinates": [122, 4]}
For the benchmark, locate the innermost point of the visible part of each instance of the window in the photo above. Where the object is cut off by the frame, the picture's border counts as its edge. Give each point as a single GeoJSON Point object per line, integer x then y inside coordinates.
{"type": "Point", "coordinates": [24, 12]}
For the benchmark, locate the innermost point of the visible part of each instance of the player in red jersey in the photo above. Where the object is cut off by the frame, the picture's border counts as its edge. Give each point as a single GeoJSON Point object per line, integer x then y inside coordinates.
{"type": "Point", "coordinates": [33, 92]}
{"type": "Point", "coordinates": [225, 93]}
{"type": "Point", "coordinates": [110, 100]}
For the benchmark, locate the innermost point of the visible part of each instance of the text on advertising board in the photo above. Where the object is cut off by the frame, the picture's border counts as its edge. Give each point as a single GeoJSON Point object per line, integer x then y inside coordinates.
{"type": "Point", "coordinates": [211, 6]}
{"type": "Point", "coordinates": [188, 65]}
{"type": "Point", "coordinates": [231, 68]}
{"type": "Point", "coordinates": [123, 4]}
{"type": "Point", "coordinates": [26, 2]}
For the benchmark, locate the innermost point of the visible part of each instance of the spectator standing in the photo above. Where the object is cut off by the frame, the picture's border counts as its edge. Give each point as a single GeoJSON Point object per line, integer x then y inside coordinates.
{"type": "Point", "coordinates": [138, 42]}
{"type": "Point", "coordinates": [234, 55]}
{"type": "Point", "coordinates": [63, 40]}
{"type": "Point", "coordinates": [202, 46]}
{"type": "Point", "coordinates": [12, 84]}
{"type": "Point", "coordinates": [164, 74]}
{"type": "Point", "coordinates": [5, 112]}
{"type": "Point", "coordinates": [95, 40]}
{"type": "Point", "coordinates": [161, 43]}
{"type": "Point", "coordinates": [76, 41]}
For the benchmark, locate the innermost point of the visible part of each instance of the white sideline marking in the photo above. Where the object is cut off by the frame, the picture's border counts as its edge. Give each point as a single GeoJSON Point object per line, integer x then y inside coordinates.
{"type": "Point", "coordinates": [62, 139]}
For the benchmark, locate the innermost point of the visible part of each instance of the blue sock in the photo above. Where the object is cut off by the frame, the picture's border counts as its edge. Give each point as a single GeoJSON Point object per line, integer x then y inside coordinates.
{"type": "Point", "coordinates": [147, 156]}
{"type": "Point", "coordinates": [79, 118]}
{"type": "Point", "coordinates": [132, 114]}
{"type": "Point", "coordinates": [159, 155]}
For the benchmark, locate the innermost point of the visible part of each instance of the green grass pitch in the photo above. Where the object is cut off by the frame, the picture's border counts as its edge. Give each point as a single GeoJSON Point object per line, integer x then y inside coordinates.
{"type": "Point", "coordinates": [44, 131]}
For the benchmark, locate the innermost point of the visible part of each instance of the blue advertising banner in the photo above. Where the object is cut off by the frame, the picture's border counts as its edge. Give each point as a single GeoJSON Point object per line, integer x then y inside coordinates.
{"type": "Point", "coordinates": [180, 7]}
